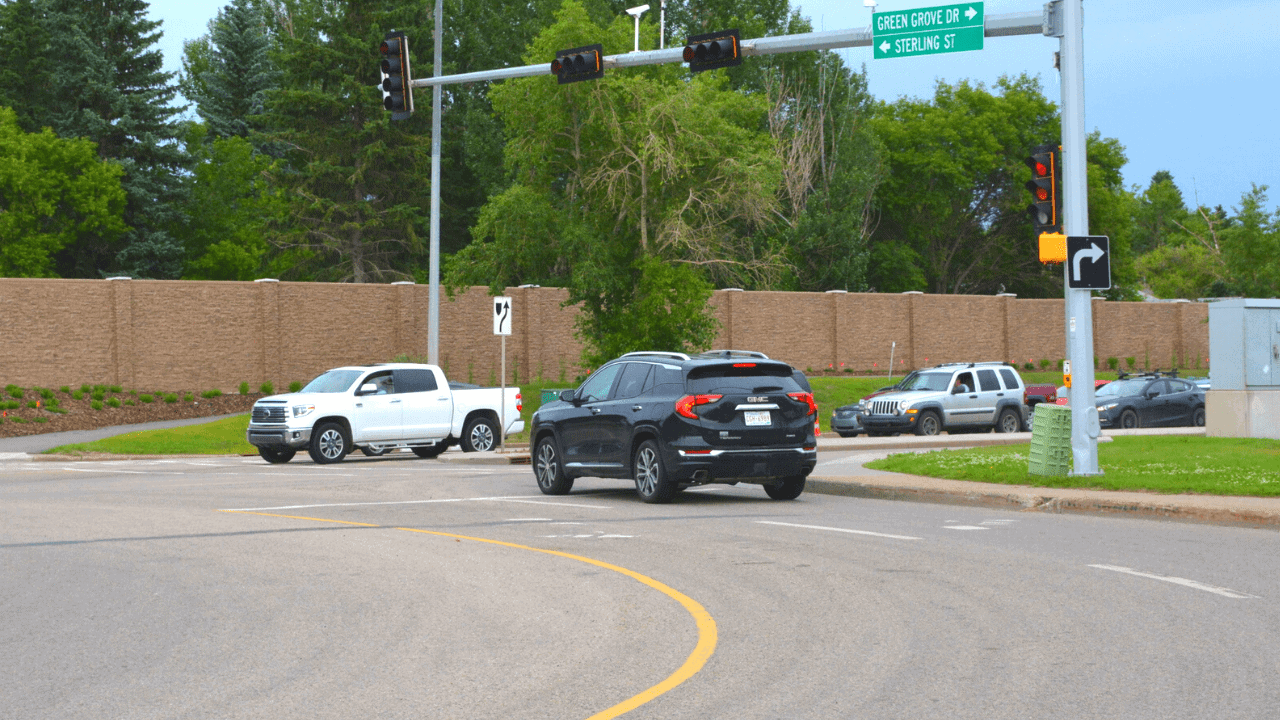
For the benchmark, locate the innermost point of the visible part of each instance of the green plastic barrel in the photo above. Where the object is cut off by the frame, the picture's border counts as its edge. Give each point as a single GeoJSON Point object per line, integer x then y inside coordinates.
{"type": "Point", "coordinates": [1051, 441]}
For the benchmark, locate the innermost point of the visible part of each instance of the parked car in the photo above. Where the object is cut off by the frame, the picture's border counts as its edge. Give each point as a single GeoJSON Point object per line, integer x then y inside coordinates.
{"type": "Point", "coordinates": [669, 421]}
{"type": "Point", "coordinates": [956, 397]}
{"type": "Point", "coordinates": [846, 420]}
{"type": "Point", "coordinates": [378, 408]}
{"type": "Point", "coordinates": [1033, 395]}
{"type": "Point", "coordinates": [1155, 400]}
{"type": "Point", "coordinates": [1063, 391]}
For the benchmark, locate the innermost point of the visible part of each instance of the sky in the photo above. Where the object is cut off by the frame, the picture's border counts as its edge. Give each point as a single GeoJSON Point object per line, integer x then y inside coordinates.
{"type": "Point", "coordinates": [1189, 87]}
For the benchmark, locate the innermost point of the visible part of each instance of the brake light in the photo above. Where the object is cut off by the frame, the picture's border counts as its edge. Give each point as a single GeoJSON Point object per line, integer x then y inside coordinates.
{"type": "Point", "coordinates": [805, 397]}
{"type": "Point", "coordinates": [744, 364]}
{"type": "Point", "coordinates": [697, 452]}
{"type": "Point", "coordinates": [519, 405]}
{"type": "Point", "coordinates": [685, 405]}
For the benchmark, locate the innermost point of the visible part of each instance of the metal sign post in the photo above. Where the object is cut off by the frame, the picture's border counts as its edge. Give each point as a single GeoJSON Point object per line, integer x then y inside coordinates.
{"type": "Point", "coordinates": [502, 327]}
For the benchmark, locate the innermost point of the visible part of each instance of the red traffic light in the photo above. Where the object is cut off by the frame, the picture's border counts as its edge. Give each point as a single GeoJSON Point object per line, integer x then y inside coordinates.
{"type": "Point", "coordinates": [578, 64]}
{"type": "Point", "coordinates": [1046, 188]}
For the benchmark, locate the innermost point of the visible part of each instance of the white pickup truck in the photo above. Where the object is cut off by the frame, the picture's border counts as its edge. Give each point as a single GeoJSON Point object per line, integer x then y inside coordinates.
{"type": "Point", "coordinates": [378, 408]}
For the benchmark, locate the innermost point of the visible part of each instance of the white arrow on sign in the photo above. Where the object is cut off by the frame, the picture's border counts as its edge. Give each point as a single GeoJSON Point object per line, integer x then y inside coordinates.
{"type": "Point", "coordinates": [884, 46]}
{"type": "Point", "coordinates": [1093, 253]}
{"type": "Point", "coordinates": [970, 13]}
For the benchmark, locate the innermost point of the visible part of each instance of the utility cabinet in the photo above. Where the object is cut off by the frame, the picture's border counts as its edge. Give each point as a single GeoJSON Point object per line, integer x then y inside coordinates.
{"type": "Point", "coordinates": [1244, 369]}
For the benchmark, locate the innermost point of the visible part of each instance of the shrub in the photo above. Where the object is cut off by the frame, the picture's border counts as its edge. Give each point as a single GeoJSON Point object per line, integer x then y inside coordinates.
{"type": "Point", "coordinates": [211, 393]}
{"type": "Point", "coordinates": [144, 397]}
{"type": "Point", "coordinates": [170, 398]}
{"type": "Point", "coordinates": [13, 390]}
{"type": "Point", "coordinates": [1028, 366]}
{"type": "Point", "coordinates": [244, 388]}
{"type": "Point", "coordinates": [1130, 361]}
{"type": "Point", "coordinates": [1044, 363]}
{"type": "Point", "coordinates": [65, 389]}
{"type": "Point", "coordinates": [114, 402]}
{"type": "Point", "coordinates": [60, 411]}
{"type": "Point", "coordinates": [96, 405]}
{"type": "Point", "coordinates": [130, 403]}
{"type": "Point", "coordinates": [267, 388]}
{"type": "Point", "coordinates": [99, 395]}
{"type": "Point", "coordinates": [99, 389]}
{"type": "Point", "coordinates": [42, 419]}
{"type": "Point", "coordinates": [86, 389]}
{"type": "Point", "coordinates": [116, 389]}
{"type": "Point", "coordinates": [19, 420]}
{"type": "Point", "coordinates": [13, 404]}
{"type": "Point", "coordinates": [295, 386]}
{"type": "Point", "coordinates": [51, 403]}
{"type": "Point", "coordinates": [1113, 362]}
{"type": "Point", "coordinates": [188, 397]}
{"type": "Point", "coordinates": [31, 404]}
{"type": "Point", "coordinates": [45, 393]}
{"type": "Point", "coordinates": [77, 395]}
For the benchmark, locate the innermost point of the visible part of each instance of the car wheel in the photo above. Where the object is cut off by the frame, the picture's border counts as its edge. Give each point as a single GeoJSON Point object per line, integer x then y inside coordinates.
{"type": "Point", "coordinates": [480, 435]}
{"type": "Point", "coordinates": [548, 471]}
{"type": "Point", "coordinates": [374, 452]}
{"type": "Point", "coordinates": [275, 456]}
{"type": "Point", "coordinates": [426, 453]}
{"type": "Point", "coordinates": [329, 444]}
{"type": "Point", "coordinates": [1030, 421]}
{"type": "Point", "coordinates": [652, 484]}
{"type": "Point", "coordinates": [928, 424]}
{"type": "Point", "coordinates": [1008, 422]}
{"type": "Point", "coordinates": [789, 489]}
{"type": "Point", "coordinates": [1197, 417]}
{"type": "Point", "coordinates": [1129, 420]}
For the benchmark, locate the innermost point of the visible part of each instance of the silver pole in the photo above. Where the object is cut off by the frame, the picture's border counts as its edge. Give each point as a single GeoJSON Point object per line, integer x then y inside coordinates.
{"type": "Point", "coordinates": [502, 420]}
{"type": "Point", "coordinates": [1075, 195]}
{"type": "Point", "coordinates": [433, 311]}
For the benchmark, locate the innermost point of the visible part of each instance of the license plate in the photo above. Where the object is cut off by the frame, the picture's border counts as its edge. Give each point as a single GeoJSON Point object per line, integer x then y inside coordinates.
{"type": "Point", "coordinates": [757, 417]}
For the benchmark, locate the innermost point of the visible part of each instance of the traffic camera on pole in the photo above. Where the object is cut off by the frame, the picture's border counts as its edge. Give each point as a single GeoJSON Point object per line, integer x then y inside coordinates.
{"type": "Point", "coordinates": [1046, 206]}
{"type": "Point", "coordinates": [397, 93]}
{"type": "Point", "coordinates": [713, 50]}
{"type": "Point", "coordinates": [578, 64]}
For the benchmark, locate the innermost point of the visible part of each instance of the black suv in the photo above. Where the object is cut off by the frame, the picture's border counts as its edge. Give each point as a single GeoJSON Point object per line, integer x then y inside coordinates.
{"type": "Point", "coordinates": [669, 421]}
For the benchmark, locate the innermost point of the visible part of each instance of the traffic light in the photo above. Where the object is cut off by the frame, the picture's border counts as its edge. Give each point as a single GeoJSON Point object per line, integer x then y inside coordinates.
{"type": "Point", "coordinates": [713, 50]}
{"type": "Point", "coordinates": [1046, 188]}
{"type": "Point", "coordinates": [397, 93]}
{"type": "Point", "coordinates": [578, 64]}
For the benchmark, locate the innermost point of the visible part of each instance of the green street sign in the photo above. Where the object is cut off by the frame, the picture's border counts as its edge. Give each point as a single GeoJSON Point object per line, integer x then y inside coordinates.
{"type": "Point", "coordinates": [927, 31]}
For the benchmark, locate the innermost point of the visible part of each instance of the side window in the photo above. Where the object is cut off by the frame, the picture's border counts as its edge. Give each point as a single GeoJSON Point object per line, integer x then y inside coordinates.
{"type": "Point", "coordinates": [1010, 380]}
{"type": "Point", "coordinates": [1159, 387]}
{"type": "Point", "coordinates": [965, 379]}
{"type": "Point", "coordinates": [416, 380]}
{"type": "Point", "coordinates": [1180, 386]}
{"type": "Point", "coordinates": [597, 386]}
{"type": "Point", "coordinates": [988, 380]}
{"type": "Point", "coordinates": [632, 382]}
{"type": "Point", "coordinates": [667, 375]}
{"type": "Point", "coordinates": [384, 382]}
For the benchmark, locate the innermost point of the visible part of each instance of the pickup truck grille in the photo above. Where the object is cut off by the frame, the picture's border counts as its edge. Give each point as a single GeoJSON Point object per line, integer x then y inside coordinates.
{"type": "Point", "coordinates": [883, 407]}
{"type": "Point", "coordinates": [268, 414]}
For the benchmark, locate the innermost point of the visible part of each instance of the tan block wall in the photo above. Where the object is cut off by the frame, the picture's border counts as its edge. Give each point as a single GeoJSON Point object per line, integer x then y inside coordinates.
{"type": "Point", "coordinates": [171, 335]}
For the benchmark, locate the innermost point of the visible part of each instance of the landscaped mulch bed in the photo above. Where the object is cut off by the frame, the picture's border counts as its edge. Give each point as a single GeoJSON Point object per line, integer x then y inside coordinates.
{"type": "Point", "coordinates": [81, 416]}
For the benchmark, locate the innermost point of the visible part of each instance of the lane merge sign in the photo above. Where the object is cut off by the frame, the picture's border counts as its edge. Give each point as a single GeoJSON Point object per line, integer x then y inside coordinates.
{"type": "Point", "coordinates": [1088, 262]}
{"type": "Point", "coordinates": [502, 316]}
{"type": "Point", "coordinates": [927, 31]}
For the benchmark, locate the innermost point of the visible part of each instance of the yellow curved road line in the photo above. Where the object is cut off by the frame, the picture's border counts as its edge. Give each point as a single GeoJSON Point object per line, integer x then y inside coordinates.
{"type": "Point", "coordinates": [706, 624]}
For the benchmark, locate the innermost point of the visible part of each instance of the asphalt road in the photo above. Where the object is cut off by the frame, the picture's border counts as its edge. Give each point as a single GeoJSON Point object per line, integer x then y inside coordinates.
{"type": "Point", "coordinates": [397, 587]}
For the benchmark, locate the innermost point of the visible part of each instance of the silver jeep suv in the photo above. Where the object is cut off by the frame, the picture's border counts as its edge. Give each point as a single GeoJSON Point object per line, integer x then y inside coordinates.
{"type": "Point", "coordinates": [956, 397]}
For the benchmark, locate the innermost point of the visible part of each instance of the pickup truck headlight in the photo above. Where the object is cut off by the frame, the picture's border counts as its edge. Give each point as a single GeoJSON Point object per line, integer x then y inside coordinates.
{"type": "Point", "coordinates": [1104, 408]}
{"type": "Point", "coordinates": [303, 410]}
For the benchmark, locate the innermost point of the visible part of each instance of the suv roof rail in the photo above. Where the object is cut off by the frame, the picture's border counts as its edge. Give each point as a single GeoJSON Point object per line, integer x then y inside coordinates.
{"type": "Point", "coordinates": [733, 354]}
{"type": "Point", "coordinates": [657, 353]}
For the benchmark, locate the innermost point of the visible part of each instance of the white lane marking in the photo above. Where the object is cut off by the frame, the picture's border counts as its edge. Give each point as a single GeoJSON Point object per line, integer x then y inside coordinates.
{"type": "Point", "coordinates": [131, 472]}
{"type": "Point", "coordinates": [599, 536]}
{"type": "Point", "coordinates": [965, 527]}
{"type": "Point", "coordinates": [843, 530]}
{"type": "Point", "coordinates": [997, 522]}
{"type": "Point", "coordinates": [1179, 581]}
{"type": "Point", "coordinates": [528, 520]}
{"type": "Point", "coordinates": [419, 502]}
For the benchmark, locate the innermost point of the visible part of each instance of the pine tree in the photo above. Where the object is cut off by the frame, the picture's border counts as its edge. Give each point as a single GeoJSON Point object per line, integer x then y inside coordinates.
{"type": "Point", "coordinates": [24, 75]}
{"type": "Point", "coordinates": [108, 87]}
{"type": "Point", "coordinates": [231, 90]}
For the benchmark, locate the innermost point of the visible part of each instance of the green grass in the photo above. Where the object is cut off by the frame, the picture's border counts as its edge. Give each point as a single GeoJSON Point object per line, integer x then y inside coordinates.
{"type": "Point", "coordinates": [1177, 464]}
{"type": "Point", "coordinates": [220, 437]}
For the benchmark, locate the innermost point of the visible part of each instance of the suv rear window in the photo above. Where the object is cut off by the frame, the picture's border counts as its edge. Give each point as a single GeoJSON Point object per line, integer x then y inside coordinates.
{"type": "Point", "coordinates": [746, 377]}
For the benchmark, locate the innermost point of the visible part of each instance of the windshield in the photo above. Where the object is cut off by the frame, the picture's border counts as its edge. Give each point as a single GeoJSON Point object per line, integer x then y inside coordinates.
{"type": "Point", "coordinates": [936, 382]}
{"type": "Point", "coordinates": [1121, 388]}
{"type": "Point", "coordinates": [334, 381]}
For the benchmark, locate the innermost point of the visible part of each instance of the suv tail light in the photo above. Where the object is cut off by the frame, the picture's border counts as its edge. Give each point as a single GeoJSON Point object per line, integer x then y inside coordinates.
{"type": "Point", "coordinates": [685, 405]}
{"type": "Point", "coordinates": [519, 404]}
{"type": "Point", "coordinates": [805, 397]}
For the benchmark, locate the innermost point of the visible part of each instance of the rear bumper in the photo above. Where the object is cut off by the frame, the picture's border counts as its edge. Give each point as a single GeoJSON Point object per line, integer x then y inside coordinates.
{"type": "Point", "coordinates": [277, 436]}
{"type": "Point", "coordinates": [747, 465]}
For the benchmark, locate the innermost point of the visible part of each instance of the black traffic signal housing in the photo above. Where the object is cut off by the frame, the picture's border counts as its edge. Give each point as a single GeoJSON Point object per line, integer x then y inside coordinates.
{"type": "Point", "coordinates": [1046, 188]}
{"type": "Point", "coordinates": [713, 50]}
{"type": "Point", "coordinates": [578, 64]}
{"type": "Point", "coordinates": [397, 92]}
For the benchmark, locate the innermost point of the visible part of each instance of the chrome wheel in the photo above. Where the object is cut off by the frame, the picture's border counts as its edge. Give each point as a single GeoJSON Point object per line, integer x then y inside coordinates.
{"type": "Point", "coordinates": [331, 444]}
{"type": "Point", "coordinates": [481, 437]}
{"type": "Point", "coordinates": [648, 471]}
{"type": "Point", "coordinates": [546, 467]}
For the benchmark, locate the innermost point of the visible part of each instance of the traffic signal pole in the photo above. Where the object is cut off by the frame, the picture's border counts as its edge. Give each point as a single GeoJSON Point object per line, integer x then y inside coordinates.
{"type": "Point", "coordinates": [1075, 195]}
{"type": "Point", "coordinates": [433, 271]}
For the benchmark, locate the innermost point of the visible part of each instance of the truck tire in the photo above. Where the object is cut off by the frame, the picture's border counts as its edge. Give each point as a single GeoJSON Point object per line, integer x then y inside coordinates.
{"type": "Point", "coordinates": [277, 455]}
{"type": "Point", "coordinates": [370, 452]}
{"type": "Point", "coordinates": [789, 489]}
{"type": "Point", "coordinates": [652, 483]}
{"type": "Point", "coordinates": [1008, 422]}
{"type": "Point", "coordinates": [548, 470]}
{"type": "Point", "coordinates": [480, 435]}
{"type": "Point", "coordinates": [426, 453]}
{"type": "Point", "coordinates": [1129, 420]}
{"type": "Point", "coordinates": [929, 423]}
{"type": "Point", "coordinates": [329, 444]}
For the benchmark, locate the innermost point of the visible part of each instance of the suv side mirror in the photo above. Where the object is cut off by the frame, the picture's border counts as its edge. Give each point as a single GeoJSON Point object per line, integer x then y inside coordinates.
{"type": "Point", "coordinates": [367, 389]}
{"type": "Point", "coordinates": [566, 395]}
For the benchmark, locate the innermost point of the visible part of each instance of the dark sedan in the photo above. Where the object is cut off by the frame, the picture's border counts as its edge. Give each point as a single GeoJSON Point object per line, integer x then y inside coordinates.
{"type": "Point", "coordinates": [1150, 401]}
